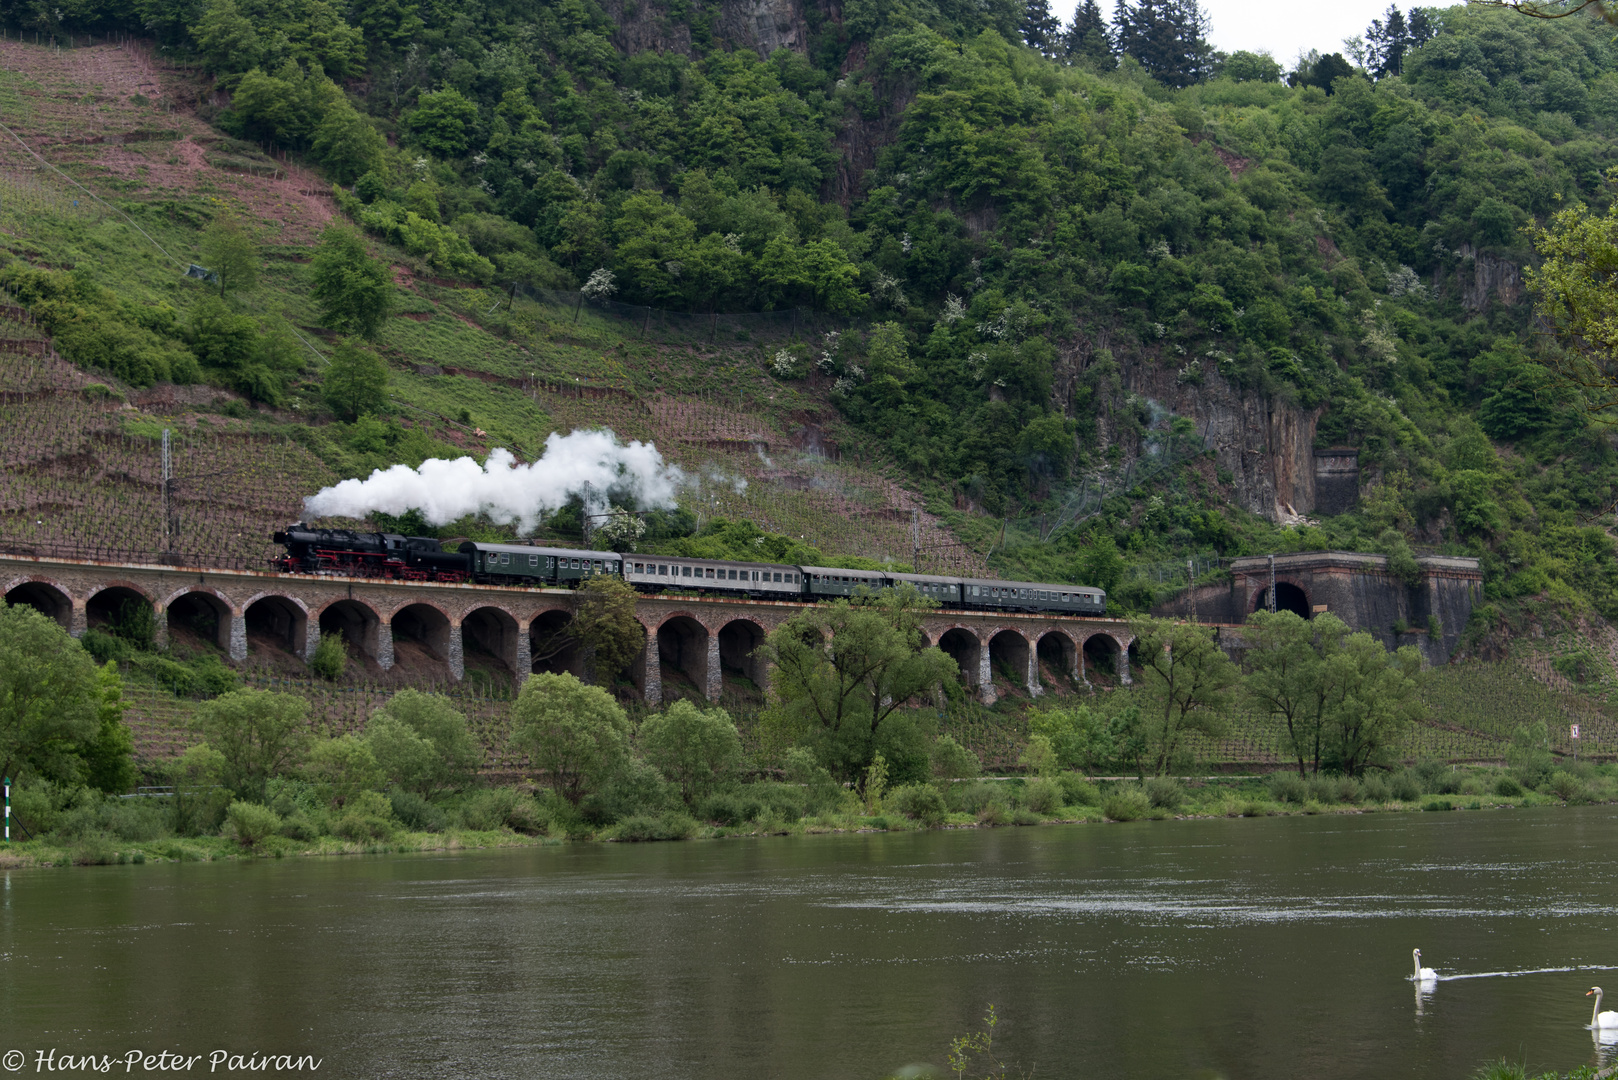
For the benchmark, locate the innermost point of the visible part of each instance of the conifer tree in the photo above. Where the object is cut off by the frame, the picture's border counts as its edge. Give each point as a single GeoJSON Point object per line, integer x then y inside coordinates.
{"type": "Point", "coordinates": [1390, 39]}
{"type": "Point", "coordinates": [1087, 39]}
{"type": "Point", "coordinates": [1387, 38]}
{"type": "Point", "coordinates": [1040, 29]}
{"type": "Point", "coordinates": [1168, 37]}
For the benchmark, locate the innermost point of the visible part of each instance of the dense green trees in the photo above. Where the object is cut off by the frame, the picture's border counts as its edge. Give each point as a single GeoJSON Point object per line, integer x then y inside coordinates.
{"type": "Point", "coordinates": [1041, 233]}
{"type": "Point", "coordinates": [61, 716]}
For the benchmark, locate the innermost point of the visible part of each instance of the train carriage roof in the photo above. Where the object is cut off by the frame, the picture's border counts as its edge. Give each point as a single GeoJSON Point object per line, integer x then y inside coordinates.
{"type": "Point", "coordinates": [692, 561]}
{"type": "Point", "coordinates": [843, 571]}
{"type": "Point", "coordinates": [524, 549]}
{"type": "Point", "coordinates": [995, 584]}
{"type": "Point", "coordinates": [925, 579]}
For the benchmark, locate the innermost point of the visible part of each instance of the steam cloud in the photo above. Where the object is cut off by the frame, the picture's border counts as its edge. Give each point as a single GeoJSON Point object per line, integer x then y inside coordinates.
{"type": "Point", "coordinates": [589, 464]}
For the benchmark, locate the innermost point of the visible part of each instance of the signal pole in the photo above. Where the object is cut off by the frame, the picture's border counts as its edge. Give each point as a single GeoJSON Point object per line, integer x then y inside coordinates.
{"type": "Point", "coordinates": [168, 483]}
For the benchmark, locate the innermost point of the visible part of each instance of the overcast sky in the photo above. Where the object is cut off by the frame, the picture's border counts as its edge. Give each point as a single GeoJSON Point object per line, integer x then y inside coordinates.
{"type": "Point", "coordinates": [1284, 27]}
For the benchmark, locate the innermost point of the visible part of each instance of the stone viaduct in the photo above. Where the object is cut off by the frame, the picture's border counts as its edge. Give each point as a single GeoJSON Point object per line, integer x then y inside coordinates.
{"type": "Point", "coordinates": [702, 638]}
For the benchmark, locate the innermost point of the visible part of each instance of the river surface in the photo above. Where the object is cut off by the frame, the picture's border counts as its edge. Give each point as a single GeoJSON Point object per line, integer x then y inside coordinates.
{"type": "Point", "coordinates": [1248, 949]}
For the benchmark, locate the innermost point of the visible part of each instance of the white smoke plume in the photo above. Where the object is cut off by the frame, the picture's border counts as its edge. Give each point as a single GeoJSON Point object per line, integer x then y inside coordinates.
{"type": "Point", "coordinates": [589, 464]}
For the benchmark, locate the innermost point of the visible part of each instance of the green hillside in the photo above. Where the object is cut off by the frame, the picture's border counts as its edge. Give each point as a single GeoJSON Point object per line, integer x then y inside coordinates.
{"type": "Point", "coordinates": [1039, 275]}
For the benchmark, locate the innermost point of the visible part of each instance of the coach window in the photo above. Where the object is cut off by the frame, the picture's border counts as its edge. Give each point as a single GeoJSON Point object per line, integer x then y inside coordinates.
{"type": "Point", "coordinates": [685, 571]}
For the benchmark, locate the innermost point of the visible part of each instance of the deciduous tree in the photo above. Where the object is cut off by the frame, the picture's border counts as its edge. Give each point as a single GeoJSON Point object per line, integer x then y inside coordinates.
{"type": "Point", "coordinates": [442, 121]}
{"type": "Point", "coordinates": [575, 734]}
{"type": "Point", "coordinates": [60, 714]}
{"type": "Point", "coordinates": [695, 749]}
{"type": "Point", "coordinates": [1290, 674]}
{"type": "Point", "coordinates": [843, 669]}
{"type": "Point", "coordinates": [422, 744]}
{"type": "Point", "coordinates": [259, 733]}
{"type": "Point", "coordinates": [1186, 683]}
{"type": "Point", "coordinates": [355, 382]}
{"type": "Point", "coordinates": [344, 767]}
{"type": "Point", "coordinates": [230, 252]}
{"type": "Point", "coordinates": [1382, 700]}
{"type": "Point", "coordinates": [353, 290]}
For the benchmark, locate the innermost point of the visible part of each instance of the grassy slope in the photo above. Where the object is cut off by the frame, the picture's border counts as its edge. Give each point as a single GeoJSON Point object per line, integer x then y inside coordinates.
{"type": "Point", "coordinates": [82, 468]}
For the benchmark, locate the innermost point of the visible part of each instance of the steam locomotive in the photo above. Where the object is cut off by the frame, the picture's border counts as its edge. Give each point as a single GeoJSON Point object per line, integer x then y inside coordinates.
{"type": "Point", "coordinates": [344, 553]}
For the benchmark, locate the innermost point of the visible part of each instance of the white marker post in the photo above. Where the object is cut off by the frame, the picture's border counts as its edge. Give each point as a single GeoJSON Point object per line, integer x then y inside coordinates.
{"type": "Point", "coordinates": [1573, 733]}
{"type": "Point", "coordinates": [8, 809]}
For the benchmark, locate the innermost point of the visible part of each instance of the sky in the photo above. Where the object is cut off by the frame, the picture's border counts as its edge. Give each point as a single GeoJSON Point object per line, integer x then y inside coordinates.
{"type": "Point", "coordinates": [1283, 27]}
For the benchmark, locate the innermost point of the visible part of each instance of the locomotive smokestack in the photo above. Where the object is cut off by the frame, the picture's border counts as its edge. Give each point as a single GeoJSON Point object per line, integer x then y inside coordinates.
{"type": "Point", "coordinates": [588, 464]}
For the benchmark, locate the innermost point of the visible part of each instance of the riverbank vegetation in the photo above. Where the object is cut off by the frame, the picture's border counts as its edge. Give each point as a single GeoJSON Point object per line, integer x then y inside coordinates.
{"type": "Point", "coordinates": [85, 827]}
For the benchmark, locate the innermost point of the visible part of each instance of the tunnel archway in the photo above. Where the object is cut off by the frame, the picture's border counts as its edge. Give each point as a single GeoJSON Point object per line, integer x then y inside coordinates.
{"type": "Point", "coordinates": [738, 640]}
{"type": "Point", "coordinates": [1008, 657]}
{"type": "Point", "coordinates": [44, 598]}
{"type": "Point", "coordinates": [682, 649]}
{"type": "Point", "coordinates": [492, 632]}
{"type": "Point", "coordinates": [200, 615]}
{"type": "Point", "coordinates": [1056, 651]}
{"type": "Point", "coordinates": [1288, 597]}
{"type": "Point", "coordinates": [550, 648]}
{"type": "Point", "coordinates": [1101, 656]}
{"type": "Point", "coordinates": [962, 646]}
{"type": "Point", "coordinates": [277, 622]}
{"type": "Point", "coordinates": [123, 611]}
{"type": "Point", "coordinates": [359, 626]}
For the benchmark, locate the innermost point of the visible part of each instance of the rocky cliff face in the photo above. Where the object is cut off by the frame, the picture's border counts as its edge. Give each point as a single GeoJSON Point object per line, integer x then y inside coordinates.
{"type": "Point", "coordinates": [765, 25]}
{"type": "Point", "coordinates": [1267, 445]}
{"type": "Point", "coordinates": [1482, 278]}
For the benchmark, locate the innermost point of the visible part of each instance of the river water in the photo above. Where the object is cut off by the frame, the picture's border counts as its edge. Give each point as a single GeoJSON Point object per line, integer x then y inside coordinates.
{"type": "Point", "coordinates": [1250, 948]}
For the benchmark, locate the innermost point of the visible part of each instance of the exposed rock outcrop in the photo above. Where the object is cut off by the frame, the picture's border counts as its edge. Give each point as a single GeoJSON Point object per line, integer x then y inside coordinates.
{"type": "Point", "coordinates": [1482, 278]}
{"type": "Point", "coordinates": [1266, 444]}
{"type": "Point", "coordinates": [765, 25]}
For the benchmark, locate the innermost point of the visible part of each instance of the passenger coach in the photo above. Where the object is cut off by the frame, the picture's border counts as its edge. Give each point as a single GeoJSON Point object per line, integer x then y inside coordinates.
{"type": "Point", "coordinates": [765, 580]}
{"type": "Point", "coordinates": [519, 564]}
{"type": "Point", "coordinates": [1028, 596]}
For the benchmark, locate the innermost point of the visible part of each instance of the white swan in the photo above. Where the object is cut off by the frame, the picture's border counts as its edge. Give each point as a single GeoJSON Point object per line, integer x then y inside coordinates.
{"type": "Point", "coordinates": [1422, 974]}
{"type": "Point", "coordinates": [1600, 1021]}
